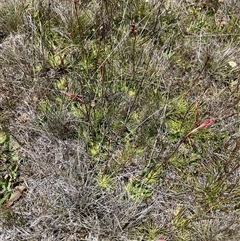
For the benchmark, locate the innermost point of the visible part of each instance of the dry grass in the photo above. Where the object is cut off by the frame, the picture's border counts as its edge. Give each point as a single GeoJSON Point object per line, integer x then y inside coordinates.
{"type": "Point", "coordinates": [139, 75]}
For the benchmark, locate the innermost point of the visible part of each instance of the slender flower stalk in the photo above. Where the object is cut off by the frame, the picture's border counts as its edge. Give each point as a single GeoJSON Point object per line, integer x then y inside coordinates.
{"type": "Point", "coordinates": [206, 123]}
{"type": "Point", "coordinates": [76, 97]}
{"type": "Point", "coordinates": [87, 108]}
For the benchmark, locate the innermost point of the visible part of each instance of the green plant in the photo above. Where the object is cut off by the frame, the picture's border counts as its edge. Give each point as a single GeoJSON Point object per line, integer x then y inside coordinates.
{"type": "Point", "coordinates": [8, 168]}
{"type": "Point", "coordinates": [101, 107]}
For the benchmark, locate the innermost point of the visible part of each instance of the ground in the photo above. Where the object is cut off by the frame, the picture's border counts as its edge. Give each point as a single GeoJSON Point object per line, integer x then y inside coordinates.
{"type": "Point", "coordinates": [119, 120]}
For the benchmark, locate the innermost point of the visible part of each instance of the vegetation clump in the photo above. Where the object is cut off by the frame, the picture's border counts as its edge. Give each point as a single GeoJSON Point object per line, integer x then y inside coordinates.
{"type": "Point", "coordinates": [119, 120]}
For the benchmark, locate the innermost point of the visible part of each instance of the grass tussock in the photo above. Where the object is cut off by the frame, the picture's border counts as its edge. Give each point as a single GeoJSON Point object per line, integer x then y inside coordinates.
{"type": "Point", "coordinates": [103, 111]}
